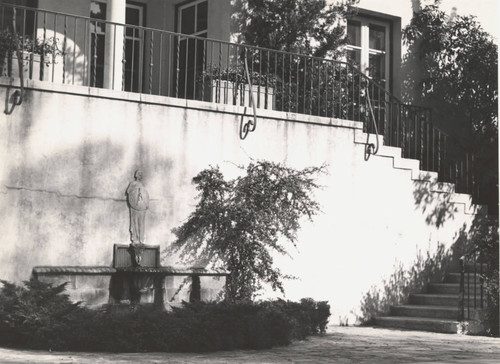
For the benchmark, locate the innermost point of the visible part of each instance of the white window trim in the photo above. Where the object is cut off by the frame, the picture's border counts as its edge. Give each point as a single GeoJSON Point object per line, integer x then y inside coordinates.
{"type": "Point", "coordinates": [365, 46]}
{"type": "Point", "coordinates": [137, 35]}
{"type": "Point", "coordinates": [179, 16]}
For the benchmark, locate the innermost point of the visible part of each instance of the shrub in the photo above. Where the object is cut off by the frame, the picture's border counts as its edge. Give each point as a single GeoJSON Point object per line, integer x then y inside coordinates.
{"type": "Point", "coordinates": [40, 316]}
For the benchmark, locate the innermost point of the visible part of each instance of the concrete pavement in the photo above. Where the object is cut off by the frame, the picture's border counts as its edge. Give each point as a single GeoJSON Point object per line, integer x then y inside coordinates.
{"type": "Point", "coordinates": [339, 345]}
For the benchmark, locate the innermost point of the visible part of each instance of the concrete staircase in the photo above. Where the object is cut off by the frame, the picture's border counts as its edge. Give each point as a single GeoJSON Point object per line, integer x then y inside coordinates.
{"type": "Point", "coordinates": [429, 180]}
{"type": "Point", "coordinates": [435, 310]}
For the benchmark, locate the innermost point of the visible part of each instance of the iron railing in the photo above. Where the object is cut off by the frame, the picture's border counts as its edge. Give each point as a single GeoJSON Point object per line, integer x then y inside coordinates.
{"type": "Point", "coordinates": [91, 52]}
{"type": "Point", "coordinates": [472, 295]}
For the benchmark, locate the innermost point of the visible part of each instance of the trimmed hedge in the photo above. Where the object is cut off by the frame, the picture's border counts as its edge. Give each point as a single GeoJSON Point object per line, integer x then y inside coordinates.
{"type": "Point", "coordinates": [39, 316]}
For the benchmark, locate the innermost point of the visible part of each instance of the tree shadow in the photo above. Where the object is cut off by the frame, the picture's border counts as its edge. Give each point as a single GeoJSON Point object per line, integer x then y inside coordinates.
{"type": "Point", "coordinates": [397, 288]}
{"type": "Point", "coordinates": [481, 234]}
{"type": "Point", "coordinates": [437, 207]}
{"type": "Point", "coordinates": [427, 267]}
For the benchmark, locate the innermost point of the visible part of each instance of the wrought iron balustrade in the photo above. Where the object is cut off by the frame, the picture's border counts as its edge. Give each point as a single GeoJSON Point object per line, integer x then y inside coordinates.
{"type": "Point", "coordinates": [472, 294]}
{"type": "Point", "coordinates": [76, 50]}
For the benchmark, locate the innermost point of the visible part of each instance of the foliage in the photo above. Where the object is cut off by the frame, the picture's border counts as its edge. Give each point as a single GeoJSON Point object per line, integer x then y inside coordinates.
{"type": "Point", "coordinates": [29, 312]}
{"type": "Point", "coordinates": [38, 316]}
{"type": "Point", "coordinates": [311, 27]}
{"type": "Point", "coordinates": [238, 76]}
{"type": "Point", "coordinates": [239, 223]}
{"type": "Point", "coordinates": [451, 66]}
{"type": "Point", "coordinates": [10, 42]}
{"type": "Point", "coordinates": [291, 80]}
{"type": "Point", "coordinates": [458, 61]}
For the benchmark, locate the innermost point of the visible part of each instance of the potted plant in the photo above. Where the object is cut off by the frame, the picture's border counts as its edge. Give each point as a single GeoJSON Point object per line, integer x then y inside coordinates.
{"type": "Point", "coordinates": [230, 85]}
{"type": "Point", "coordinates": [37, 55]}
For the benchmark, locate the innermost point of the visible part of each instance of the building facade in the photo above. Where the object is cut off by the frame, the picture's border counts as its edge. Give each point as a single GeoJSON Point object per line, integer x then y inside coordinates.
{"type": "Point", "coordinates": [156, 85]}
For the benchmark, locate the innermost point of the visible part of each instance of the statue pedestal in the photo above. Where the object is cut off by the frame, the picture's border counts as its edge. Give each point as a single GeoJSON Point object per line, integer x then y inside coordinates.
{"type": "Point", "coordinates": [123, 256]}
{"type": "Point", "coordinates": [134, 280]}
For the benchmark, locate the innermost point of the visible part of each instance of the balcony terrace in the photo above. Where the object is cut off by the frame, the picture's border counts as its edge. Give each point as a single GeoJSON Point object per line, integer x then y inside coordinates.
{"type": "Point", "coordinates": [81, 51]}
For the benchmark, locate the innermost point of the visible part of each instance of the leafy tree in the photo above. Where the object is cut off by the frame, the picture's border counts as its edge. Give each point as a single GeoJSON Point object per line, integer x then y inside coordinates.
{"type": "Point", "coordinates": [456, 64]}
{"type": "Point", "coordinates": [240, 223]}
{"type": "Point", "coordinates": [451, 66]}
{"type": "Point", "coordinates": [311, 27]}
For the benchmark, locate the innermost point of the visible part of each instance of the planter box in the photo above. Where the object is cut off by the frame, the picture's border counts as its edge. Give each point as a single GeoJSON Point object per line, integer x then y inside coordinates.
{"type": "Point", "coordinates": [33, 67]}
{"type": "Point", "coordinates": [227, 92]}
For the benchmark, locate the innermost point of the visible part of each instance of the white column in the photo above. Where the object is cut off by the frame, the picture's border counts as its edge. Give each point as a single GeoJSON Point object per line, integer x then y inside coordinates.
{"type": "Point", "coordinates": [365, 45]}
{"type": "Point", "coordinates": [113, 51]}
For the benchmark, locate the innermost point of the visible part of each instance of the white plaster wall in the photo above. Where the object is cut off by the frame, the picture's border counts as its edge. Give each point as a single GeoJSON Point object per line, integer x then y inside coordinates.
{"type": "Point", "coordinates": [486, 11]}
{"type": "Point", "coordinates": [67, 160]}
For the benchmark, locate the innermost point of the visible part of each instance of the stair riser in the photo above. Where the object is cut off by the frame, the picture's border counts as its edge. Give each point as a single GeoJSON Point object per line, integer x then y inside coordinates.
{"type": "Point", "coordinates": [440, 301]}
{"type": "Point", "coordinates": [455, 278]}
{"type": "Point", "coordinates": [444, 289]}
{"type": "Point", "coordinates": [451, 314]}
{"type": "Point", "coordinates": [447, 328]}
{"type": "Point", "coordinates": [436, 301]}
{"type": "Point", "coordinates": [453, 289]}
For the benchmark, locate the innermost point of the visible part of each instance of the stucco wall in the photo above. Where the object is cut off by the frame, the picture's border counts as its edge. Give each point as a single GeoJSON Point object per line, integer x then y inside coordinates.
{"type": "Point", "coordinates": [68, 158]}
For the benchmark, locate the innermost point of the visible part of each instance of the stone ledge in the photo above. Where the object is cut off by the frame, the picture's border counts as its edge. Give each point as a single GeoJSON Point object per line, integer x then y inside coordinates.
{"type": "Point", "coordinates": [66, 269]}
{"type": "Point", "coordinates": [104, 270]}
{"type": "Point", "coordinates": [175, 271]}
{"type": "Point", "coordinates": [169, 101]}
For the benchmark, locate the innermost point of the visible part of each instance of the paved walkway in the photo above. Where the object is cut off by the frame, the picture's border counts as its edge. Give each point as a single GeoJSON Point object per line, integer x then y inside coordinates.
{"type": "Point", "coordinates": [339, 345]}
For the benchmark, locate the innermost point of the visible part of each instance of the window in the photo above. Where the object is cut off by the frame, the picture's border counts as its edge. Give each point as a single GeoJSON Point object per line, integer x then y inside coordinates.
{"type": "Point", "coordinates": [134, 41]}
{"type": "Point", "coordinates": [192, 19]}
{"type": "Point", "coordinates": [25, 18]}
{"type": "Point", "coordinates": [97, 39]}
{"type": "Point", "coordinates": [368, 48]}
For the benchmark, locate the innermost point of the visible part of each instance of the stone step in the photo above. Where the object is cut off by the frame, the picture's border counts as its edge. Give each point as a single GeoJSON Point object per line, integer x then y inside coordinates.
{"type": "Point", "coordinates": [430, 299]}
{"type": "Point", "coordinates": [444, 288]}
{"type": "Point", "coordinates": [418, 323]}
{"type": "Point", "coordinates": [450, 288]}
{"type": "Point", "coordinates": [442, 312]}
{"type": "Point", "coordinates": [470, 267]}
{"type": "Point", "coordinates": [434, 299]}
{"type": "Point", "coordinates": [468, 277]}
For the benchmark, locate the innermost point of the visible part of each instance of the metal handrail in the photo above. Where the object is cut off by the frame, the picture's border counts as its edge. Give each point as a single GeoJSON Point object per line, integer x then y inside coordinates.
{"type": "Point", "coordinates": [18, 95]}
{"type": "Point", "coordinates": [371, 148]}
{"type": "Point", "coordinates": [471, 290]}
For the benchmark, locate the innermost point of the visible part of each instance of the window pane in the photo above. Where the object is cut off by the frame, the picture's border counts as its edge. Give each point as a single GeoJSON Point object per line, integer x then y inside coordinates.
{"type": "Point", "coordinates": [97, 63]}
{"type": "Point", "coordinates": [354, 33]}
{"type": "Point", "coordinates": [201, 22]}
{"type": "Point", "coordinates": [187, 20]}
{"type": "Point", "coordinates": [132, 54]}
{"type": "Point", "coordinates": [377, 37]}
{"type": "Point", "coordinates": [377, 66]}
{"type": "Point", "coordinates": [98, 10]}
{"type": "Point", "coordinates": [132, 16]}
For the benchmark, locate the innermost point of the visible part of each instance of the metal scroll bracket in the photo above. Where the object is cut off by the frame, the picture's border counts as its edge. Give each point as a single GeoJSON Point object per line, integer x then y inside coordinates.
{"type": "Point", "coordinates": [18, 95]}
{"type": "Point", "coordinates": [371, 148]}
{"type": "Point", "coordinates": [251, 124]}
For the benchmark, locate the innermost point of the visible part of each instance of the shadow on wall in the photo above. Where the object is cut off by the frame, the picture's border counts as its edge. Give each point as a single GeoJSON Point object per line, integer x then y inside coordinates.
{"type": "Point", "coordinates": [396, 290]}
{"type": "Point", "coordinates": [437, 207]}
{"type": "Point", "coordinates": [482, 235]}
{"type": "Point", "coordinates": [57, 199]}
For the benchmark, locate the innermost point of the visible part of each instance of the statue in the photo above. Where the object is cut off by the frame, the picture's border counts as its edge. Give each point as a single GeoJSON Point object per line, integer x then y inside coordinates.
{"type": "Point", "coordinates": [138, 203]}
